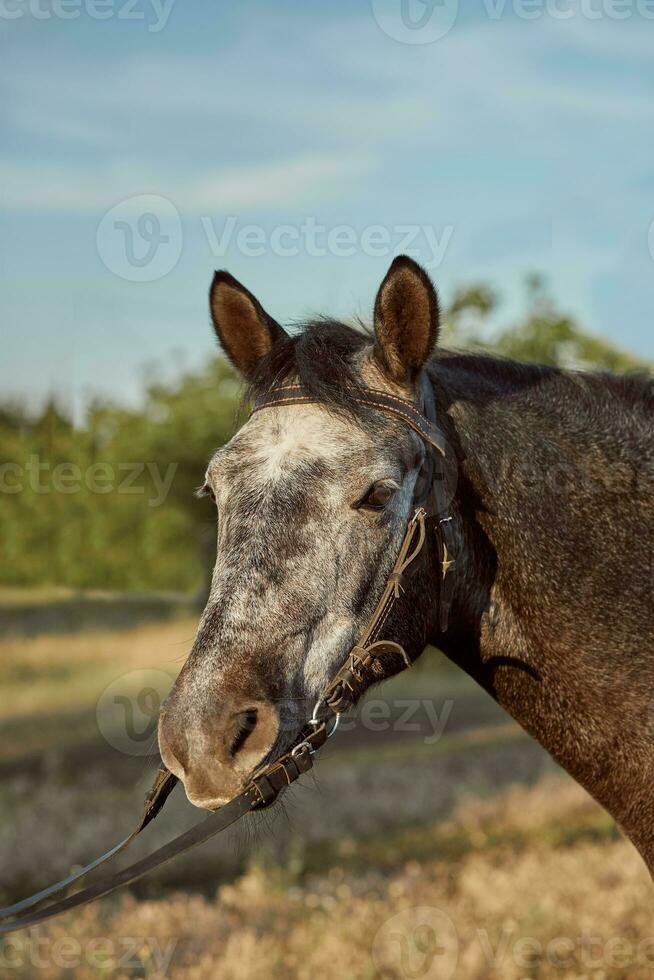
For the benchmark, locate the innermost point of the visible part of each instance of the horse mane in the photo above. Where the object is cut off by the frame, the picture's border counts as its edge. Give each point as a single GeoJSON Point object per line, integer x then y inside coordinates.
{"type": "Point", "coordinates": [324, 354]}
{"type": "Point", "coordinates": [633, 387]}
{"type": "Point", "coordinates": [593, 398]}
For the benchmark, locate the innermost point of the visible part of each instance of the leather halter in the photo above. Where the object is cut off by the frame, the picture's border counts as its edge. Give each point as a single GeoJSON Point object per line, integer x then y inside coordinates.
{"type": "Point", "coordinates": [371, 660]}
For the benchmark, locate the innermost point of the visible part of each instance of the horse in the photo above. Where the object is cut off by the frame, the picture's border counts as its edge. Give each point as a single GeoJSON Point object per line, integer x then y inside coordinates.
{"type": "Point", "coordinates": [550, 482]}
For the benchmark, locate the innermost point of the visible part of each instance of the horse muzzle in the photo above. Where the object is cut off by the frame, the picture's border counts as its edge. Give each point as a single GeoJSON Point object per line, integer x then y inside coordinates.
{"type": "Point", "coordinates": [213, 751]}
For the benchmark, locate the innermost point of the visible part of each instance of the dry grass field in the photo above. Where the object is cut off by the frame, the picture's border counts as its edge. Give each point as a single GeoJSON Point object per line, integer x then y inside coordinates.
{"type": "Point", "coordinates": [47, 673]}
{"type": "Point", "coordinates": [532, 883]}
{"type": "Point", "coordinates": [464, 856]}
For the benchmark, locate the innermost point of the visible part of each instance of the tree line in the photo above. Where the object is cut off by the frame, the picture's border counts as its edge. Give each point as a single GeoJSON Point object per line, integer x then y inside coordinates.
{"type": "Point", "coordinates": [110, 505]}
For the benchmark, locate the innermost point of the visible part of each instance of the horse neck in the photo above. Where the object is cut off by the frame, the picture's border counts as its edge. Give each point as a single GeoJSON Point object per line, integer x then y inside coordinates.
{"type": "Point", "coordinates": [548, 616]}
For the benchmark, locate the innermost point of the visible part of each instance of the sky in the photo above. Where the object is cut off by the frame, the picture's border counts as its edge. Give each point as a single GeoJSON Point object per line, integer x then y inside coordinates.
{"type": "Point", "coordinates": [145, 143]}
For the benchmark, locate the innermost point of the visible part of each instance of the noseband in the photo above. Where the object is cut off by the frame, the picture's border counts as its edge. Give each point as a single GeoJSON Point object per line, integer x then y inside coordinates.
{"type": "Point", "coordinates": [371, 660]}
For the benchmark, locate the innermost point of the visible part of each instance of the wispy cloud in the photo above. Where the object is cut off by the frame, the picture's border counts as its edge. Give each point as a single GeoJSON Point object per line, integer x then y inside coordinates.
{"type": "Point", "coordinates": [277, 185]}
{"type": "Point", "coordinates": [261, 187]}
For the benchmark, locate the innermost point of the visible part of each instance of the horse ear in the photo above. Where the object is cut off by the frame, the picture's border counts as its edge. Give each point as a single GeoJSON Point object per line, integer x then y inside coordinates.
{"type": "Point", "coordinates": [406, 320]}
{"type": "Point", "coordinates": [245, 331]}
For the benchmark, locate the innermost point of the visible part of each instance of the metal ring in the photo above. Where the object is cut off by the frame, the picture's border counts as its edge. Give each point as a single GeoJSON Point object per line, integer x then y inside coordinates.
{"type": "Point", "coordinates": [315, 721]}
{"type": "Point", "coordinates": [336, 723]}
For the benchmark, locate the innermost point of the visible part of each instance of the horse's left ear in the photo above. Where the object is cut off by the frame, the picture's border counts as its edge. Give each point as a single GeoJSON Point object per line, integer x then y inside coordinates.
{"type": "Point", "coordinates": [406, 320]}
{"type": "Point", "coordinates": [245, 331]}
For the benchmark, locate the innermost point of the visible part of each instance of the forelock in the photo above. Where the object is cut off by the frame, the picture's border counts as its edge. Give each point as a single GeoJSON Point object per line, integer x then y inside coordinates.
{"type": "Point", "coordinates": [325, 357]}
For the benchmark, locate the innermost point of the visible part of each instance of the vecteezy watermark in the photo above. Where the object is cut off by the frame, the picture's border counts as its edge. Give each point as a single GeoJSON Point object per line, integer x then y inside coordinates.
{"type": "Point", "coordinates": [415, 21]}
{"type": "Point", "coordinates": [568, 9]}
{"type": "Point", "coordinates": [316, 240]}
{"type": "Point", "coordinates": [140, 239]}
{"type": "Point", "coordinates": [128, 709]}
{"type": "Point", "coordinates": [153, 14]}
{"type": "Point", "coordinates": [426, 21]}
{"type": "Point", "coordinates": [419, 943]}
{"type": "Point", "coordinates": [108, 956]}
{"type": "Point", "coordinates": [421, 718]}
{"type": "Point", "coordinates": [586, 952]}
{"type": "Point", "coordinates": [404, 716]}
{"type": "Point", "coordinates": [42, 477]}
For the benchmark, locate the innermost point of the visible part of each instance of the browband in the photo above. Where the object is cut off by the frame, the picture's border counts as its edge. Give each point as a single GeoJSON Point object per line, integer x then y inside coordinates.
{"type": "Point", "coordinates": [296, 394]}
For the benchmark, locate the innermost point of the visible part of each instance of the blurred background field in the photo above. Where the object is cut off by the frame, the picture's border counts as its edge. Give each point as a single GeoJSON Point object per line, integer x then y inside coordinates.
{"type": "Point", "coordinates": [529, 884]}
{"type": "Point", "coordinates": [445, 805]}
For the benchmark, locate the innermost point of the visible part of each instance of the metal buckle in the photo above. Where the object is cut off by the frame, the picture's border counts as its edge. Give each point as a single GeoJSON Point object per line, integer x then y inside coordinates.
{"type": "Point", "coordinates": [303, 745]}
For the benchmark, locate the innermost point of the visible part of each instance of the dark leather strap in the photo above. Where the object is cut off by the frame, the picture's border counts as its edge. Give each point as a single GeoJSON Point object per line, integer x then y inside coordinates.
{"type": "Point", "coordinates": [202, 832]}
{"type": "Point", "coordinates": [445, 524]}
{"type": "Point", "coordinates": [263, 790]}
{"type": "Point", "coordinates": [162, 787]}
{"type": "Point", "coordinates": [295, 394]}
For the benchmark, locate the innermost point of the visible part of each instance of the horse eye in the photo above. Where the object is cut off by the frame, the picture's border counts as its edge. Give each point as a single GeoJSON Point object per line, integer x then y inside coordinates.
{"type": "Point", "coordinates": [378, 496]}
{"type": "Point", "coordinates": [206, 491]}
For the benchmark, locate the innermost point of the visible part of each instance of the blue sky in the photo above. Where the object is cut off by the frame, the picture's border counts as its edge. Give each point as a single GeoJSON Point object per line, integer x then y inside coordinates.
{"type": "Point", "coordinates": [206, 135]}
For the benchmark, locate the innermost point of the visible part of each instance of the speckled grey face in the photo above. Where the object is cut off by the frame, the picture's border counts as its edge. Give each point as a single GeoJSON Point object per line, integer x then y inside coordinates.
{"type": "Point", "coordinates": [309, 506]}
{"type": "Point", "coordinates": [312, 506]}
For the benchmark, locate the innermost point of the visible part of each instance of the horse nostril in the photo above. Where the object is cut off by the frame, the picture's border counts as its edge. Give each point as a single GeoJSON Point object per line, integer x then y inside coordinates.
{"type": "Point", "coordinates": [244, 724]}
{"type": "Point", "coordinates": [216, 748]}
{"type": "Point", "coordinates": [173, 745]}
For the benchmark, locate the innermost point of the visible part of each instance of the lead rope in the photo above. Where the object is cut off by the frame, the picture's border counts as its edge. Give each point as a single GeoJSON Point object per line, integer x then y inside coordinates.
{"type": "Point", "coordinates": [162, 787]}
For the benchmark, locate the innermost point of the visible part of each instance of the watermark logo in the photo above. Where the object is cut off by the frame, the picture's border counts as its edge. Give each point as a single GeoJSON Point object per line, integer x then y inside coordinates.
{"type": "Point", "coordinates": [425, 243]}
{"type": "Point", "coordinates": [128, 711]}
{"type": "Point", "coordinates": [563, 10]}
{"type": "Point", "coordinates": [419, 717]}
{"type": "Point", "coordinates": [42, 477]}
{"type": "Point", "coordinates": [416, 944]}
{"type": "Point", "coordinates": [141, 238]}
{"type": "Point", "coordinates": [415, 21]}
{"type": "Point", "coordinates": [101, 955]}
{"type": "Point", "coordinates": [584, 955]}
{"type": "Point", "coordinates": [153, 14]}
